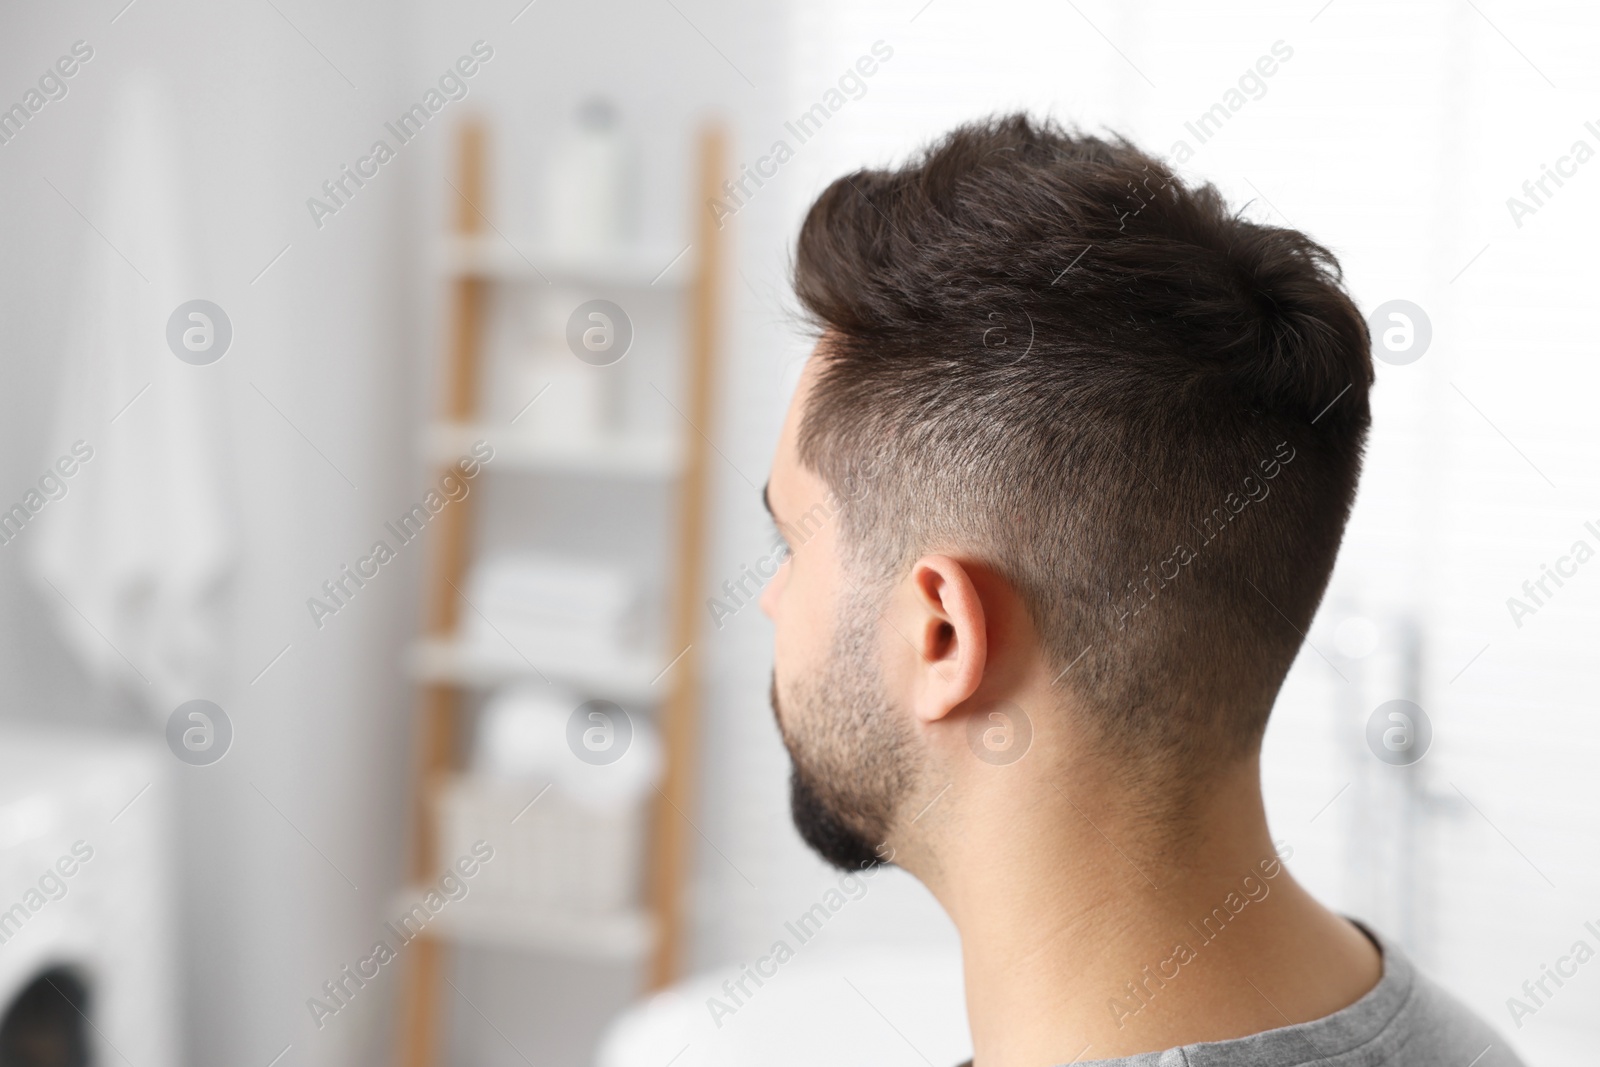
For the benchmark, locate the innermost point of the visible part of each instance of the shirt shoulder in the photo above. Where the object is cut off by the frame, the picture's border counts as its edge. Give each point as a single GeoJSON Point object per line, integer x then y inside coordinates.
{"type": "Point", "coordinates": [1436, 1028]}
{"type": "Point", "coordinates": [1406, 1020]}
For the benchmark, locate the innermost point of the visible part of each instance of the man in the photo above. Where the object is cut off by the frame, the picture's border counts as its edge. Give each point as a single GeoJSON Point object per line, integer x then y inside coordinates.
{"type": "Point", "coordinates": [1063, 483]}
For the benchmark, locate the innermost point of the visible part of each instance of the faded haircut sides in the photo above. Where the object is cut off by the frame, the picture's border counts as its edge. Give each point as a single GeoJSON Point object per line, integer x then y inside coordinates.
{"type": "Point", "coordinates": [1144, 411]}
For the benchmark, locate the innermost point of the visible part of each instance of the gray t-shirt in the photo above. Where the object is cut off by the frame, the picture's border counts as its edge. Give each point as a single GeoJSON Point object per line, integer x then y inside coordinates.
{"type": "Point", "coordinates": [1404, 1021]}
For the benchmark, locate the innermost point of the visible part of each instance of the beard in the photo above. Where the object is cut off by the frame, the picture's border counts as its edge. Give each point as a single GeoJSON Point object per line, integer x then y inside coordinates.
{"type": "Point", "coordinates": [850, 754]}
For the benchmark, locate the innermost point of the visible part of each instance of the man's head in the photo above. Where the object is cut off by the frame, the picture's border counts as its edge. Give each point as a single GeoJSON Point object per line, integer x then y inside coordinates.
{"type": "Point", "coordinates": [1075, 439]}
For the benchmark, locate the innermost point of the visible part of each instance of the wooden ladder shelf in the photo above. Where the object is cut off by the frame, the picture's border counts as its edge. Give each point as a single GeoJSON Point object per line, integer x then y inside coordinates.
{"type": "Point", "coordinates": [419, 1021]}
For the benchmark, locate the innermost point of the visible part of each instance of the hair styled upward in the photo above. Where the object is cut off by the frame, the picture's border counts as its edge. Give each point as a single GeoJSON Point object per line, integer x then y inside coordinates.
{"type": "Point", "coordinates": [1147, 413]}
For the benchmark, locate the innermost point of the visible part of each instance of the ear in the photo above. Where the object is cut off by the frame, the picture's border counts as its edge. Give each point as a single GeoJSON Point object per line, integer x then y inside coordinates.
{"type": "Point", "coordinates": [948, 633]}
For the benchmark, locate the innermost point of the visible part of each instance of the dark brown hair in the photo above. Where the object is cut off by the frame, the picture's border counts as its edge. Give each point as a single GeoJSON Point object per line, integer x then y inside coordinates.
{"type": "Point", "coordinates": [1145, 411]}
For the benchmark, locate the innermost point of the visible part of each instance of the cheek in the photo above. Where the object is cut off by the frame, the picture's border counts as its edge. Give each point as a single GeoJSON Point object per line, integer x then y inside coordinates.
{"type": "Point", "coordinates": [805, 608]}
{"type": "Point", "coordinates": [772, 592]}
{"type": "Point", "coordinates": [802, 622]}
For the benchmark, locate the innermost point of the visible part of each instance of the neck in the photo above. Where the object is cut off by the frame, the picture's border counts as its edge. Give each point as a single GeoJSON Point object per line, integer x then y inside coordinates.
{"type": "Point", "coordinates": [1084, 936]}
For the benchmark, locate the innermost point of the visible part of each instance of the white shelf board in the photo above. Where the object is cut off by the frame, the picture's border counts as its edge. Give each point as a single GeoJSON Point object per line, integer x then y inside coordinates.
{"type": "Point", "coordinates": [628, 678]}
{"type": "Point", "coordinates": [627, 456]}
{"type": "Point", "coordinates": [629, 267]}
{"type": "Point", "coordinates": [621, 936]}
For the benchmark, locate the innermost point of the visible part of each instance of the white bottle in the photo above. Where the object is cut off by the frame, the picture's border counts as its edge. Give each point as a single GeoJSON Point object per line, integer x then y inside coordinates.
{"type": "Point", "coordinates": [589, 194]}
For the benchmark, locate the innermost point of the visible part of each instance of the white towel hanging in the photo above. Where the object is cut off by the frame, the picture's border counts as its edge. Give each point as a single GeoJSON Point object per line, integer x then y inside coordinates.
{"type": "Point", "coordinates": [134, 560]}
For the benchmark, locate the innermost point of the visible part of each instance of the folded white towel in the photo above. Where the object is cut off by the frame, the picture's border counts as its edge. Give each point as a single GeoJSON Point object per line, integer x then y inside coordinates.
{"type": "Point", "coordinates": [542, 591]}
